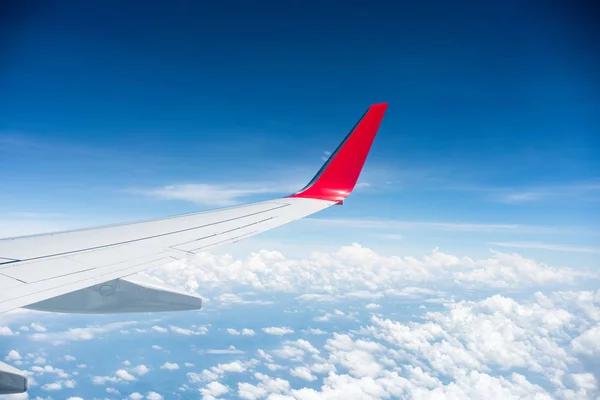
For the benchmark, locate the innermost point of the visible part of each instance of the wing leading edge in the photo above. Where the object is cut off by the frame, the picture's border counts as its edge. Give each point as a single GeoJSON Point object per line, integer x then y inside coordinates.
{"type": "Point", "coordinates": [34, 269]}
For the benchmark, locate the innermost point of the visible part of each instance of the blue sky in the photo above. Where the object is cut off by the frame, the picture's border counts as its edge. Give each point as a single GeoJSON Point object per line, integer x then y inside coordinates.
{"type": "Point", "coordinates": [478, 204]}
{"type": "Point", "coordinates": [492, 118]}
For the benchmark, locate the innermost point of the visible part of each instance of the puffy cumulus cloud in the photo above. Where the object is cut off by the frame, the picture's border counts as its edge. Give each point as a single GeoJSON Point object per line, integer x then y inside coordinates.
{"type": "Point", "coordinates": [119, 376]}
{"type": "Point", "coordinates": [38, 327]}
{"type": "Point", "coordinates": [113, 391]}
{"type": "Point", "coordinates": [213, 390]}
{"type": "Point", "coordinates": [218, 371]}
{"type": "Point", "coordinates": [170, 366]}
{"type": "Point", "coordinates": [159, 329]}
{"type": "Point", "coordinates": [304, 345]}
{"type": "Point", "coordinates": [303, 373]}
{"type": "Point", "coordinates": [154, 396]}
{"type": "Point", "coordinates": [49, 369]}
{"type": "Point", "coordinates": [314, 331]}
{"type": "Point", "coordinates": [6, 331]}
{"type": "Point", "coordinates": [588, 343]}
{"type": "Point", "coordinates": [496, 348]}
{"type": "Point", "coordinates": [70, 384]}
{"type": "Point", "coordinates": [243, 332]}
{"type": "Point", "coordinates": [13, 355]}
{"type": "Point", "coordinates": [278, 330]}
{"type": "Point", "coordinates": [124, 375]}
{"type": "Point", "coordinates": [267, 385]}
{"type": "Point", "coordinates": [357, 271]}
{"type": "Point", "coordinates": [201, 330]}
{"type": "Point", "coordinates": [140, 370]}
{"type": "Point", "coordinates": [52, 386]}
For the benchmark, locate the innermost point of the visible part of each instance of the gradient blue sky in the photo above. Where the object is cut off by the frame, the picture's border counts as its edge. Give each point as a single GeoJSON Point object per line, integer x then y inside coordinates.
{"type": "Point", "coordinates": [108, 108]}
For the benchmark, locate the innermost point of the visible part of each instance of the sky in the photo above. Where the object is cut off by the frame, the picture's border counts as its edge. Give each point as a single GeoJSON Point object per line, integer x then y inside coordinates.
{"type": "Point", "coordinates": [485, 171]}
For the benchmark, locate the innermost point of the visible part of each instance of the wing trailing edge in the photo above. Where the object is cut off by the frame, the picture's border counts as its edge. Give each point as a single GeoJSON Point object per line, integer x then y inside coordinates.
{"type": "Point", "coordinates": [338, 176]}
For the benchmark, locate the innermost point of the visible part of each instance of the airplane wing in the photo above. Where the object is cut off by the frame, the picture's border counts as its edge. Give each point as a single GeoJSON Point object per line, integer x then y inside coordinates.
{"type": "Point", "coordinates": [95, 270]}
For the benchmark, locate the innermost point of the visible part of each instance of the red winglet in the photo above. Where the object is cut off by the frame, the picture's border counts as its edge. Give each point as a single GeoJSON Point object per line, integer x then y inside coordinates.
{"type": "Point", "coordinates": [338, 176]}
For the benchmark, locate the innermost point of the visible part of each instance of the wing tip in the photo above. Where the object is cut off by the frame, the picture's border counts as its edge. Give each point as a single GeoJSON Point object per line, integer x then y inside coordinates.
{"type": "Point", "coordinates": [337, 178]}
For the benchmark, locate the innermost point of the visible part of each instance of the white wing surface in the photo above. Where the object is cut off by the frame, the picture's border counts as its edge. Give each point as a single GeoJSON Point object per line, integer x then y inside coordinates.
{"type": "Point", "coordinates": [37, 268]}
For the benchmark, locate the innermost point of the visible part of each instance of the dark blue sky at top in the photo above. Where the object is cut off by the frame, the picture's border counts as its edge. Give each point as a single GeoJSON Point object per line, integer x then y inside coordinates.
{"type": "Point", "coordinates": [463, 79]}
{"type": "Point", "coordinates": [486, 93]}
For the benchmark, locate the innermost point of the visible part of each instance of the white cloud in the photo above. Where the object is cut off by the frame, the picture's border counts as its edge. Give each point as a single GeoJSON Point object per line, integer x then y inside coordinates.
{"type": "Point", "coordinates": [493, 348]}
{"type": "Point", "coordinates": [188, 332]}
{"type": "Point", "coordinates": [278, 331]}
{"type": "Point", "coordinates": [136, 396]}
{"type": "Point", "coordinates": [49, 369]}
{"type": "Point", "coordinates": [585, 381]}
{"type": "Point", "coordinates": [211, 194]}
{"type": "Point", "coordinates": [70, 384]}
{"type": "Point", "coordinates": [372, 306]}
{"type": "Point", "coordinates": [169, 366]}
{"type": "Point", "coordinates": [38, 327]}
{"type": "Point", "coordinates": [588, 343]}
{"type": "Point", "coordinates": [227, 299]}
{"type": "Point", "coordinates": [267, 385]}
{"type": "Point", "coordinates": [547, 246]}
{"type": "Point", "coordinates": [229, 350]}
{"type": "Point", "coordinates": [235, 366]}
{"type": "Point", "coordinates": [6, 331]}
{"type": "Point", "coordinates": [13, 355]}
{"type": "Point", "coordinates": [359, 272]}
{"type": "Point", "coordinates": [52, 386]}
{"type": "Point", "coordinates": [213, 390]}
{"type": "Point", "coordinates": [303, 344]}
{"type": "Point", "coordinates": [244, 332]}
{"type": "Point", "coordinates": [156, 347]}
{"type": "Point", "coordinates": [154, 396]}
{"type": "Point", "coordinates": [124, 375]}
{"type": "Point", "coordinates": [159, 329]}
{"type": "Point", "coordinates": [69, 358]}
{"type": "Point", "coordinates": [120, 375]}
{"type": "Point", "coordinates": [140, 370]}
{"type": "Point", "coordinates": [303, 373]}
{"type": "Point", "coordinates": [77, 334]}
{"type": "Point", "coordinates": [290, 353]}
{"type": "Point", "coordinates": [313, 331]}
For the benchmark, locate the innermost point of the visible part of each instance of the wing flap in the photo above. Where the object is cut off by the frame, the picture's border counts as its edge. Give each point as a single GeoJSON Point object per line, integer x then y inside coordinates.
{"type": "Point", "coordinates": [26, 294]}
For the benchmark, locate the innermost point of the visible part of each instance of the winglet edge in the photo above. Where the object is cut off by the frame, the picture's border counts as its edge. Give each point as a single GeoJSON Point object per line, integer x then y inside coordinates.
{"type": "Point", "coordinates": [338, 176]}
